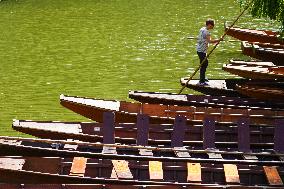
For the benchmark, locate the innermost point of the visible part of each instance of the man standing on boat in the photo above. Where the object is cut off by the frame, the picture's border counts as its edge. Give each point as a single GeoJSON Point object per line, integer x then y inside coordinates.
{"type": "Point", "coordinates": [203, 40]}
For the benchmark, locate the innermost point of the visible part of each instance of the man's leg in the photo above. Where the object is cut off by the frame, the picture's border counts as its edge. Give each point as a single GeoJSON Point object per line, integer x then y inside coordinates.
{"type": "Point", "coordinates": [203, 66]}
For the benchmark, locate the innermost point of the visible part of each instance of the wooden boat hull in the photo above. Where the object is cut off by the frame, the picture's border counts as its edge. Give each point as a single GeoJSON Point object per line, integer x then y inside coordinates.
{"type": "Point", "coordinates": [130, 165]}
{"type": "Point", "coordinates": [49, 148]}
{"type": "Point", "coordinates": [261, 92]}
{"type": "Point", "coordinates": [201, 100]}
{"type": "Point", "coordinates": [99, 172]}
{"type": "Point", "coordinates": [255, 72]}
{"type": "Point", "coordinates": [127, 133]}
{"type": "Point", "coordinates": [261, 52]}
{"type": "Point", "coordinates": [126, 112]}
{"type": "Point", "coordinates": [73, 186]}
{"type": "Point", "coordinates": [275, 56]}
{"type": "Point", "coordinates": [249, 50]}
{"type": "Point", "coordinates": [215, 88]}
{"type": "Point", "coordinates": [262, 36]}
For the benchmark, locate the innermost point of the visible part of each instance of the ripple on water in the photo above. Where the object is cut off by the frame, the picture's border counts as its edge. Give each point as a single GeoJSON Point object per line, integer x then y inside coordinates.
{"type": "Point", "coordinates": [139, 59]}
{"type": "Point", "coordinates": [156, 81]}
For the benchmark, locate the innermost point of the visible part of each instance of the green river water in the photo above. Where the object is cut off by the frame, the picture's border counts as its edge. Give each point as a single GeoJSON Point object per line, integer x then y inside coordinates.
{"type": "Point", "coordinates": [102, 49]}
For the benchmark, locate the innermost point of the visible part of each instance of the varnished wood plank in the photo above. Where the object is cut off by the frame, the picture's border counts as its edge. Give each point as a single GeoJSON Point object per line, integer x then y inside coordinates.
{"type": "Point", "coordinates": [145, 152]}
{"type": "Point", "coordinates": [181, 152]}
{"type": "Point", "coordinates": [250, 157]}
{"type": "Point", "coordinates": [113, 174]}
{"type": "Point", "coordinates": [109, 150]}
{"type": "Point", "coordinates": [193, 172]}
{"type": "Point", "coordinates": [12, 142]}
{"type": "Point", "coordinates": [154, 109]}
{"type": "Point", "coordinates": [122, 170]}
{"type": "Point", "coordinates": [213, 155]}
{"type": "Point", "coordinates": [231, 173]}
{"type": "Point", "coordinates": [70, 146]}
{"type": "Point", "coordinates": [272, 175]}
{"type": "Point", "coordinates": [156, 170]}
{"type": "Point", "coordinates": [12, 163]}
{"type": "Point", "coordinates": [78, 166]}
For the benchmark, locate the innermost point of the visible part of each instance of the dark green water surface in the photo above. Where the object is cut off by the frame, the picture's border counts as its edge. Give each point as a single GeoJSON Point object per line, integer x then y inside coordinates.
{"type": "Point", "coordinates": [102, 49]}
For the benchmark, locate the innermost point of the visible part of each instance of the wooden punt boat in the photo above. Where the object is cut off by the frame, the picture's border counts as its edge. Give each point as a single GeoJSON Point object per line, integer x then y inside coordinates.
{"type": "Point", "coordinates": [268, 54]}
{"type": "Point", "coordinates": [39, 170]}
{"type": "Point", "coordinates": [255, 72]}
{"type": "Point", "coordinates": [201, 100]}
{"type": "Point", "coordinates": [126, 112]}
{"type": "Point", "coordinates": [262, 92]}
{"type": "Point", "coordinates": [250, 35]}
{"type": "Point", "coordinates": [92, 186]}
{"type": "Point", "coordinates": [209, 166]}
{"type": "Point", "coordinates": [80, 186]}
{"type": "Point", "coordinates": [147, 168]}
{"type": "Point", "coordinates": [264, 52]}
{"type": "Point", "coordinates": [245, 132]}
{"type": "Point", "coordinates": [216, 87]}
{"type": "Point", "coordinates": [113, 186]}
{"type": "Point", "coordinates": [233, 152]}
{"type": "Point", "coordinates": [127, 133]}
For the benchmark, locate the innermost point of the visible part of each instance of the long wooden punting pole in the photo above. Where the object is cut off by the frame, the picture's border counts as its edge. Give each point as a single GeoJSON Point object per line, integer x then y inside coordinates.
{"type": "Point", "coordinates": [215, 46]}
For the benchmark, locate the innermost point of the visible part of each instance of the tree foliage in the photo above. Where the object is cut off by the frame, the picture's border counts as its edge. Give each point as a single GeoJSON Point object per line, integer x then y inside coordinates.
{"type": "Point", "coordinates": [273, 9]}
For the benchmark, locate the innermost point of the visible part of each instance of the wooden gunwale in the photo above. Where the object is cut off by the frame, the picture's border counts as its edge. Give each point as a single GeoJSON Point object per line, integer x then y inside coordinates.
{"type": "Point", "coordinates": [252, 72]}
{"type": "Point", "coordinates": [201, 100]}
{"type": "Point", "coordinates": [23, 150]}
{"type": "Point", "coordinates": [265, 52]}
{"type": "Point", "coordinates": [114, 186]}
{"type": "Point", "coordinates": [267, 93]}
{"type": "Point", "coordinates": [126, 133]}
{"type": "Point", "coordinates": [262, 36]}
{"type": "Point", "coordinates": [127, 112]}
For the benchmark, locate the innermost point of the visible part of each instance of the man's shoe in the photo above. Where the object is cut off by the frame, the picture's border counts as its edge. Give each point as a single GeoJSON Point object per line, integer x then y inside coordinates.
{"type": "Point", "coordinates": [202, 84]}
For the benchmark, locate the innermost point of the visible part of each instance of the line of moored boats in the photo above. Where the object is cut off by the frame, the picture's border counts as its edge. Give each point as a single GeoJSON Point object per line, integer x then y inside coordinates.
{"type": "Point", "coordinates": [229, 138]}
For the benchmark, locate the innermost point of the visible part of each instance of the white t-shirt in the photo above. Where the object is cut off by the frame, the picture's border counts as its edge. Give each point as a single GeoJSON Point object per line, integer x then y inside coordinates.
{"type": "Point", "coordinates": [202, 43]}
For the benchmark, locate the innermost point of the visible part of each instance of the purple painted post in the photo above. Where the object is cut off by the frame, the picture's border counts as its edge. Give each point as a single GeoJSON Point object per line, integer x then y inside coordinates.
{"type": "Point", "coordinates": [243, 135]}
{"type": "Point", "coordinates": [208, 133]}
{"type": "Point", "coordinates": [279, 136]}
{"type": "Point", "coordinates": [108, 127]}
{"type": "Point", "coordinates": [142, 129]}
{"type": "Point", "coordinates": [178, 131]}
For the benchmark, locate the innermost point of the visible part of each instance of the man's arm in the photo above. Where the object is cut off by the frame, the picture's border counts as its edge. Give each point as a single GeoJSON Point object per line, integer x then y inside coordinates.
{"type": "Point", "coordinates": [209, 40]}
